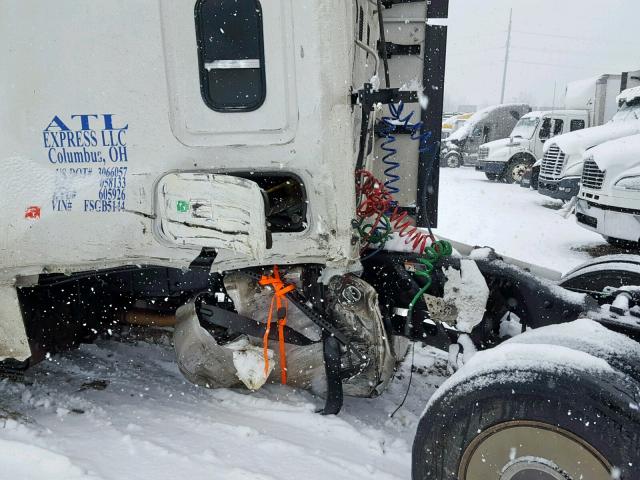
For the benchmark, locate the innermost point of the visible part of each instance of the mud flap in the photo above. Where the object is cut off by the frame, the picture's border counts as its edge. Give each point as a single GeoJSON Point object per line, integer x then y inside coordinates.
{"type": "Point", "coordinates": [13, 337]}
{"type": "Point", "coordinates": [333, 400]}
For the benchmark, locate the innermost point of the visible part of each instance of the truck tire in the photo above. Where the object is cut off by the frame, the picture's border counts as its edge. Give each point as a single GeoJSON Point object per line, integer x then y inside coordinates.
{"type": "Point", "coordinates": [515, 170]}
{"type": "Point", "coordinates": [607, 271]}
{"type": "Point", "coordinates": [453, 160]}
{"type": "Point", "coordinates": [554, 419]}
{"type": "Point", "coordinates": [492, 176]}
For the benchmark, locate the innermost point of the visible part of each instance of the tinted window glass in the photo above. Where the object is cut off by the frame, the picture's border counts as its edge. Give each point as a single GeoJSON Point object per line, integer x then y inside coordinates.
{"type": "Point", "coordinates": [558, 126]}
{"type": "Point", "coordinates": [577, 125]}
{"type": "Point", "coordinates": [545, 129]}
{"type": "Point", "coordinates": [231, 54]}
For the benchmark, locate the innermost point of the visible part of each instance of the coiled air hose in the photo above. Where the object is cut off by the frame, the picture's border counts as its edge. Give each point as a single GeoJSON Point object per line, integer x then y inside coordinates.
{"type": "Point", "coordinates": [432, 254]}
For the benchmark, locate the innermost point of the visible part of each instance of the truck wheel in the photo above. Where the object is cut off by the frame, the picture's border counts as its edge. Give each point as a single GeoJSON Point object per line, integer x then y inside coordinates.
{"type": "Point", "coordinates": [516, 169]}
{"type": "Point", "coordinates": [453, 160]}
{"type": "Point", "coordinates": [492, 176]}
{"type": "Point", "coordinates": [607, 271]}
{"type": "Point", "coordinates": [540, 412]}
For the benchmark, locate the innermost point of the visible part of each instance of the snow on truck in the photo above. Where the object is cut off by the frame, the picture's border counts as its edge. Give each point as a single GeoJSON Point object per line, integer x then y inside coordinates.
{"type": "Point", "coordinates": [252, 174]}
{"type": "Point", "coordinates": [562, 161]}
{"type": "Point", "coordinates": [508, 159]}
{"type": "Point", "coordinates": [486, 125]}
{"type": "Point", "coordinates": [609, 198]}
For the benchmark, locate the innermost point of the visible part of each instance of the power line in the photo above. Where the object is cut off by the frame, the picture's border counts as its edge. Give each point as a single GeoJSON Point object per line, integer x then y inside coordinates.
{"type": "Point", "coordinates": [556, 50]}
{"type": "Point", "coordinates": [477, 50]}
{"type": "Point", "coordinates": [476, 35]}
{"type": "Point", "coordinates": [481, 63]}
{"type": "Point", "coordinates": [557, 65]}
{"type": "Point", "coordinates": [552, 35]}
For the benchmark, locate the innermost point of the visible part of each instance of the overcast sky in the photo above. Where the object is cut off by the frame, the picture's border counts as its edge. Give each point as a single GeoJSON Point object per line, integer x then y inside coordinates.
{"type": "Point", "coordinates": [561, 41]}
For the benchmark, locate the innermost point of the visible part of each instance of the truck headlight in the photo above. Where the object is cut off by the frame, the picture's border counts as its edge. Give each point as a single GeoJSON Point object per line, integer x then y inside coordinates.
{"type": "Point", "coordinates": [629, 183]}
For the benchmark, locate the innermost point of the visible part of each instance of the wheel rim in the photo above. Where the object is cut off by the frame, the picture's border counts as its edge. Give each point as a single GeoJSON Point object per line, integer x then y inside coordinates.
{"type": "Point", "coordinates": [518, 172]}
{"type": "Point", "coordinates": [452, 161]}
{"type": "Point", "coordinates": [527, 450]}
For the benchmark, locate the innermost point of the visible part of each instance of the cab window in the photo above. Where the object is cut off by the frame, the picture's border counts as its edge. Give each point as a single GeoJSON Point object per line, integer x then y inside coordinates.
{"type": "Point", "coordinates": [231, 54]}
{"type": "Point", "coordinates": [545, 129]}
{"type": "Point", "coordinates": [558, 125]}
{"type": "Point", "coordinates": [576, 125]}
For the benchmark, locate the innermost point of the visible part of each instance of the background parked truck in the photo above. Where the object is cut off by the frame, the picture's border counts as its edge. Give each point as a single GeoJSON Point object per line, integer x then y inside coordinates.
{"type": "Point", "coordinates": [491, 123]}
{"type": "Point", "coordinates": [609, 199]}
{"type": "Point", "coordinates": [507, 159]}
{"type": "Point", "coordinates": [562, 162]}
{"type": "Point", "coordinates": [453, 123]}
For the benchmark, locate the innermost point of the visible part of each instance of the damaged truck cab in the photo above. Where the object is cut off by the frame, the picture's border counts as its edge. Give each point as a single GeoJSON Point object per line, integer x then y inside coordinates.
{"type": "Point", "coordinates": [263, 177]}
{"type": "Point", "coordinates": [209, 127]}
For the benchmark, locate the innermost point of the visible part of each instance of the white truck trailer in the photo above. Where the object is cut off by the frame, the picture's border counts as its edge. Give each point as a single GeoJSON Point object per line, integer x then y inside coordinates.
{"type": "Point", "coordinates": [211, 163]}
{"type": "Point", "coordinates": [597, 95]}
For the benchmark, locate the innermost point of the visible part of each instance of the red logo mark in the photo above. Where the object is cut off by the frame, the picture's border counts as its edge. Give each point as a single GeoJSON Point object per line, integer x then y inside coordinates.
{"type": "Point", "coordinates": [32, 212]}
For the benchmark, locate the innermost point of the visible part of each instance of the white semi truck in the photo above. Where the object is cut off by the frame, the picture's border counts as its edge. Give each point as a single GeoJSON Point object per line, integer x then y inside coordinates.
{"type": "Point", "coordinates": [561, 166]}
{"type": "Point", "coordinates": [609, 198]}
{"type": "Point", "coordinates": [507, 159]}
{"type": "Point", "coordinates": [213, 165]}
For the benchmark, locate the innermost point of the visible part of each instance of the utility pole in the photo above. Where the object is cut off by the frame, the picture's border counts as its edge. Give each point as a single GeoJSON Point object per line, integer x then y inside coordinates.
{"type": "Point", "coordinates": [506, 57]}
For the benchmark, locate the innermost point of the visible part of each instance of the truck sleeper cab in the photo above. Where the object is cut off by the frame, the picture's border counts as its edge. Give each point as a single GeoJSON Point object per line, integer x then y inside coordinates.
{"type": "Point", "coordinates": [507, 159]}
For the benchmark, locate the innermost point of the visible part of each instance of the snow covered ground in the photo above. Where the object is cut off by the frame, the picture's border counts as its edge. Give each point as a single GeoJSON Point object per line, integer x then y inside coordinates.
{"type": "Point", "coordinates": [117, 410]}
{"type": "Point", "coordinates": [121, 410]}
{"type": "Point", "coordinates": [516, 222]}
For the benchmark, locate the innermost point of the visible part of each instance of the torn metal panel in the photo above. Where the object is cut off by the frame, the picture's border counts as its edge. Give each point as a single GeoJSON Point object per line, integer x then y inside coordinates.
{"type": "Point", "coordinates": [214, 211]}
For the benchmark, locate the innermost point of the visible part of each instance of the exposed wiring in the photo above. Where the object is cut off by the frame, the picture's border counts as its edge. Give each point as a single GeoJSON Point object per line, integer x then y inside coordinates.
{"type": "Point", "coordinates": [432, 254]}
{"type": "Point", "coordinates": [376, 205]}
{"type": "Point", "coordinates": [406, 393]}
{"type": "Point", "coordinates": [371, 51]}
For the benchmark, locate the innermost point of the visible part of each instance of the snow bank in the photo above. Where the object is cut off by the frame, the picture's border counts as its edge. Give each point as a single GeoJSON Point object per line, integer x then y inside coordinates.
{"type": "Point", "coordinates": [20, 460]}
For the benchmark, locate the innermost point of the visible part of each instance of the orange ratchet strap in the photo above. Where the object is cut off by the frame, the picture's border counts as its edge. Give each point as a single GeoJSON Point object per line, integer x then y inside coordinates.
{"type": "Point", "coordinates": [279, 300]}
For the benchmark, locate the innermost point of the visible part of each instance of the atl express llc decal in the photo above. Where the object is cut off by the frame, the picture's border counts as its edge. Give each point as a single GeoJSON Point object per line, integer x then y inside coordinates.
{"type": "Point", "coordinates": [86, 147]}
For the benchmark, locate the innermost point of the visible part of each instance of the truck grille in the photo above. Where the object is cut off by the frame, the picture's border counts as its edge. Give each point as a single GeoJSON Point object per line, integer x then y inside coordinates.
{"type": "Point", "coordinates": [552, 163]}
{"type": "Point", "coordinates": [592, 176]}
{"type": "Point", "coordinates": [483, 153]}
